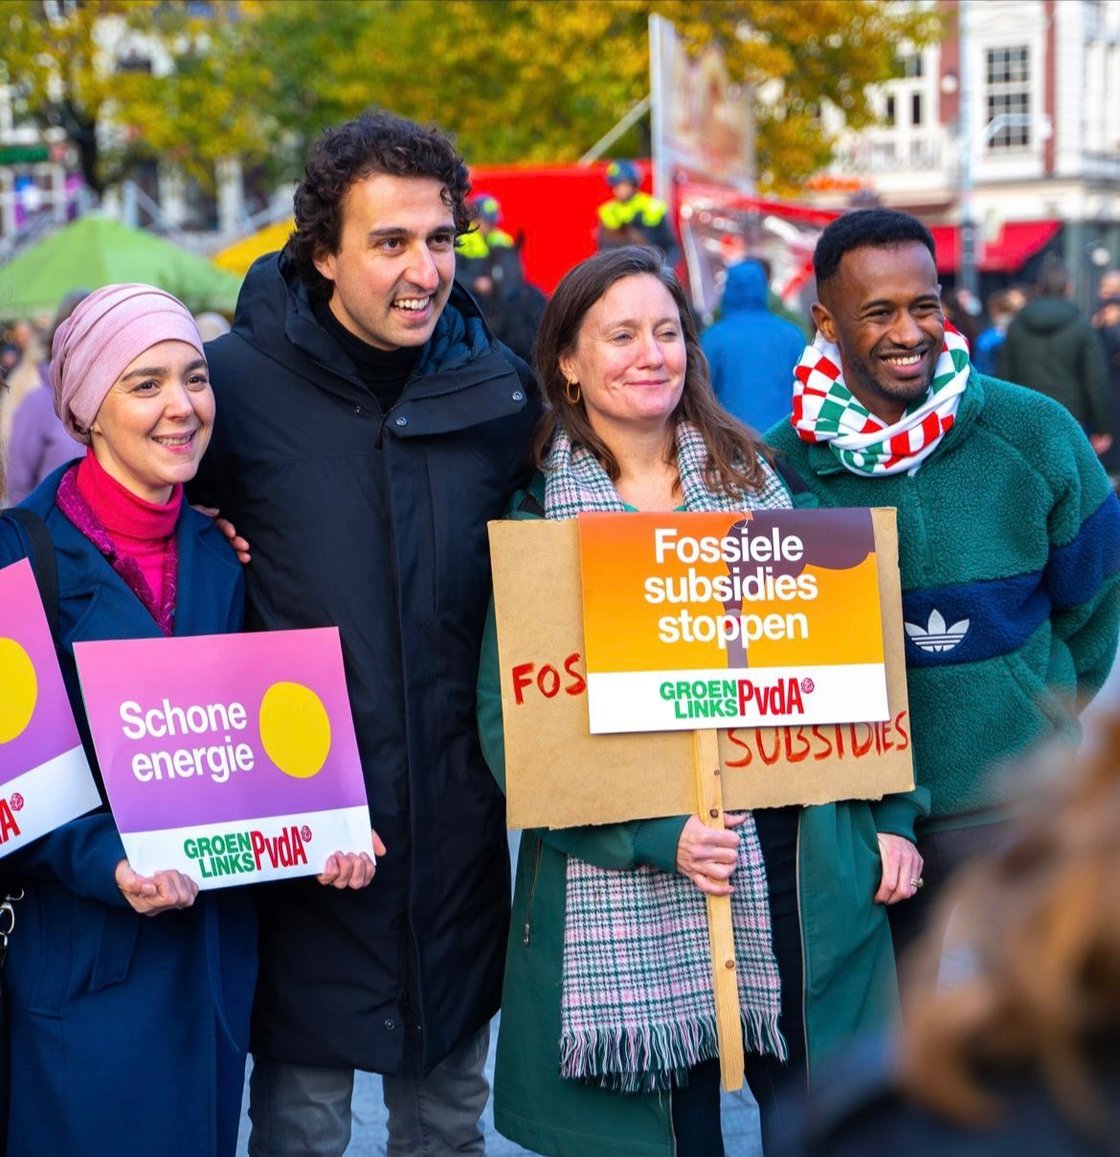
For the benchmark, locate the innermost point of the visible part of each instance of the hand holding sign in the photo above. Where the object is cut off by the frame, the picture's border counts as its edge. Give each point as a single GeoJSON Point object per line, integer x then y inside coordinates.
{"type": "Point", "coordinates": [794, 669]}
{"type": "Point", "coordinates": [155, 894]}
{"type": "Point", "coordinates": [707, 855]}
{"type": "Point", "coordinates": [350, 870]}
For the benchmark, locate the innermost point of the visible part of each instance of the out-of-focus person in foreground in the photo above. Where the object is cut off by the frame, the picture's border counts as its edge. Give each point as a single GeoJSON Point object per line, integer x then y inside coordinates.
{"type": "Point", "coordinates": [1012, 1037]}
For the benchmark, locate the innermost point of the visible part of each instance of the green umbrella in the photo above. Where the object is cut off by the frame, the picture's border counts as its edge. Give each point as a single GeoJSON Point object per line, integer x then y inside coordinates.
{"type": "Point", "coordinates": [95, 251]}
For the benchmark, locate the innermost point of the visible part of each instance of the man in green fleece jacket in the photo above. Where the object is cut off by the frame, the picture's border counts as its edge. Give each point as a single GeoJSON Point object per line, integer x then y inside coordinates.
{"type": "Point", "coordinates": [1009, 534]}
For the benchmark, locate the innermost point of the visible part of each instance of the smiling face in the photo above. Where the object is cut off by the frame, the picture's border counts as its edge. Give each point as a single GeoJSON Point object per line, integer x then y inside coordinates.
{"type": "Point", "coordinates": [882, 308]}
{"type": "Point", "coordinates": [155, 421]}
{"type": "Point", "coordinates": [395, 263]}
{"type": "Point", "coordinates": [629, 358]}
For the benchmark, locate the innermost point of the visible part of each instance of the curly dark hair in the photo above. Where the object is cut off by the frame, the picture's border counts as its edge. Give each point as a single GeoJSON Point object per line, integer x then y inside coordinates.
{"type": "Point", "coordinates": [374, 142]}
{"type": "Point", "coordinates": [734, 452]}
{"type": "Point", "coordinates": [863, 228]}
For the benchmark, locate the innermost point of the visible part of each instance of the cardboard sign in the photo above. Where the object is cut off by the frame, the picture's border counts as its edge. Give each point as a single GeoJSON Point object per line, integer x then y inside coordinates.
{"type": "Point", "coordinates": [229, 757]}
{"type": "Point", "coordinates": [45, 779]}
{"type": "Point", "coordinates": [558, 774]}
{"type": "Point", "coordinates": [723, 620]}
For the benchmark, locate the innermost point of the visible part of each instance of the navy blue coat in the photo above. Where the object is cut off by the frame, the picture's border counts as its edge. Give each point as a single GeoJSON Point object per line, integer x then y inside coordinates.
{"type": "Point", "coordinates": [129, 1032]}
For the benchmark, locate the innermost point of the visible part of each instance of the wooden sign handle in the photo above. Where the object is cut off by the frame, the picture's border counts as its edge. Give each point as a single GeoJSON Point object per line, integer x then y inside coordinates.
{"type": "Point", "coordinates": [729, 1032]}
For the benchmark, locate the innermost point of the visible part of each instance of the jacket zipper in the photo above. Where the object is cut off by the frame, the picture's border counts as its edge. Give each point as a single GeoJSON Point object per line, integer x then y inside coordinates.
{"type": "Point", "coordinates": [526, 934]}
{"type": "Point", "coordinates": [407, 1011]}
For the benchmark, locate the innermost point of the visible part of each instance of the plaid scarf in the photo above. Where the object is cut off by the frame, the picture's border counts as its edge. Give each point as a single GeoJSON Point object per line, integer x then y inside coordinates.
{"type": "Point", "coordinates": [575, 481]}
{"type": "Point", "coordinates": [637, 1008]}
{"type": "Point", "coordinates": [824, 410]}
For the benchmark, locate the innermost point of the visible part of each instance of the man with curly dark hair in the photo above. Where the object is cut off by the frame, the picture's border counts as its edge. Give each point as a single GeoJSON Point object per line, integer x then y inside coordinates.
{"type": "Point", "coordinates": [368, 428]}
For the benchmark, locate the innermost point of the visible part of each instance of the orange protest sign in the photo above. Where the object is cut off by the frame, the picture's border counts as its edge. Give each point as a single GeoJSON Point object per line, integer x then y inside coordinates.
{"type": "Point", "coordinates": [760, 618]}
{"type": "Point", "coordinates": [559, 774]}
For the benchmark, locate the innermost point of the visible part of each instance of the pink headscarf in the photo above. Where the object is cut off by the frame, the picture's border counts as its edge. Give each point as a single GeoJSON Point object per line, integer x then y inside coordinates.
{"type": "Point", "coordinates": [109, 329]}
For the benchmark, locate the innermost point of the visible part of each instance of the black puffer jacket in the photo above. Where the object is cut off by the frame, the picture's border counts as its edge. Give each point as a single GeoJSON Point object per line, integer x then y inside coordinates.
{"type": "Point", "coordinates": [377, 523]}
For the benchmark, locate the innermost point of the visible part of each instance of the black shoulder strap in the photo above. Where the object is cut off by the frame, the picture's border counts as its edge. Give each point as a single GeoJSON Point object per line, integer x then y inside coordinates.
{"type": "Point", "coordinates": [795, 484]}
{"type": "Point", "coordinates": [43, 561]}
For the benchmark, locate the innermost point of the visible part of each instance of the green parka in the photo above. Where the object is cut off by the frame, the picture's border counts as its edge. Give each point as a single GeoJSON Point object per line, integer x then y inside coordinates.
{"type": "Point", "coordinates": [850, 984]}
{"type": "Point", "coordinates": [1051, 347]}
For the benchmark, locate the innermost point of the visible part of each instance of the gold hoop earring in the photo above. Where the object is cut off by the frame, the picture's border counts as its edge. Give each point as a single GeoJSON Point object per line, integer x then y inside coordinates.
{"type": "Point", "coordinates": [578, 392]}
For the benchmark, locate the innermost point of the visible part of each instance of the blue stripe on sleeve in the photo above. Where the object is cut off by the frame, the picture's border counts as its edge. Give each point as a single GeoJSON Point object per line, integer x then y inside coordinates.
{"type": "Point", "coordinates": [1077, 570]}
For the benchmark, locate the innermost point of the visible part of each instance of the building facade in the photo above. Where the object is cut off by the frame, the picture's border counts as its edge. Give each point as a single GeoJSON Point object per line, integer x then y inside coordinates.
{"type": "Point", "coordinates": [1012, 122]}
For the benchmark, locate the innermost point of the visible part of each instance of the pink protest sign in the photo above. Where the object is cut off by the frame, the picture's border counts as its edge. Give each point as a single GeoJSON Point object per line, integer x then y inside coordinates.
{"type": "Point", "coordinates": [229, 757]}
{"type": "Point", "coordinates": [44, 776]}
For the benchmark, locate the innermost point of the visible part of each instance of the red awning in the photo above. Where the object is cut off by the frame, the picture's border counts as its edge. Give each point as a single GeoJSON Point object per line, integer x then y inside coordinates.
{"type": "Point", "coordinates": [1017, 241]}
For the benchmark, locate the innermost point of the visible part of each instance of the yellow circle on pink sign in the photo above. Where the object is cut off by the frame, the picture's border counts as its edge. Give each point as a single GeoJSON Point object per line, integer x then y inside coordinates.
{"type": "Point", "coordinates": [19, 690]}
{"type": "Point", "coordinates": [295, 729]}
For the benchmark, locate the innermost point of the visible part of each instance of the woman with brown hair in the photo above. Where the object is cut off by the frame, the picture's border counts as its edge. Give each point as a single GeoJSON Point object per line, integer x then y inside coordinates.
{"type": "Point", "coordinates": [607, 1041]}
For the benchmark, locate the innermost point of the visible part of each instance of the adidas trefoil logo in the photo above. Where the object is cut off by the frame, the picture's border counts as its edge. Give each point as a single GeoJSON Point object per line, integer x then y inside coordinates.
{"type": "Point", "coordinates": [935, 636]}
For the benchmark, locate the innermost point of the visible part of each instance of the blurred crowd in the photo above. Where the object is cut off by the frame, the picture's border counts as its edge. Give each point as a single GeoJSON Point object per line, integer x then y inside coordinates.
{"type": "Point", "coordinates": [1053, 348]}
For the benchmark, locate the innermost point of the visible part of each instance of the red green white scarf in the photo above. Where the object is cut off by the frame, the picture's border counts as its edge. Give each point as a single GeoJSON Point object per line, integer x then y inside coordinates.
{"type": "Point", "coordinates": [824, 410]}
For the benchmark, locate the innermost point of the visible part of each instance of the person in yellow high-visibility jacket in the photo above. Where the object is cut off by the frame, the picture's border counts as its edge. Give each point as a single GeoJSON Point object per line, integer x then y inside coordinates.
{"type": "Point", "coordinates": [477, 252]}
{"type": "Point", "coordinates": [488, 263]}
{"type": "Point", "coordinates": [632, 217]}
{"type": "Point", "coordinates": [486, 211]}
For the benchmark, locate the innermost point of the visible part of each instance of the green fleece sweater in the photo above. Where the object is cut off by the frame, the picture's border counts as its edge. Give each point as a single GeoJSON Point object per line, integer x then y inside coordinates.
{"type": "Point", "coordinates": [1009, 551]}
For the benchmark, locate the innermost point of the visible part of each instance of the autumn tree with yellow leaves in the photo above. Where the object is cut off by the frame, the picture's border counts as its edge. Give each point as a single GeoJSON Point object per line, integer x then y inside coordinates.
{"type": "Point", "coordinates": [513, 80]}
{"type": "Point", "coordinates": [125, 81]}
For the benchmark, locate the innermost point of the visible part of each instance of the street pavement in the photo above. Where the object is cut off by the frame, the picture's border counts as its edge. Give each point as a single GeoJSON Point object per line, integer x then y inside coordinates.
{"type": "Point", "coordinates": [740, 1120]}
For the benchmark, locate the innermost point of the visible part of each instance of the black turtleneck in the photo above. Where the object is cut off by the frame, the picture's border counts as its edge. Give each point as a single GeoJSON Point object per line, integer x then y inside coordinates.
{"type": "Point", "coordinates": [384, 371]}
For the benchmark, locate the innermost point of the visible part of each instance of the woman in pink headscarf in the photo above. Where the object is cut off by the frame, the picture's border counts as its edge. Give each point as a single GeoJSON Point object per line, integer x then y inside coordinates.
{"type": "Point", "coordinates": [129, 995]}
